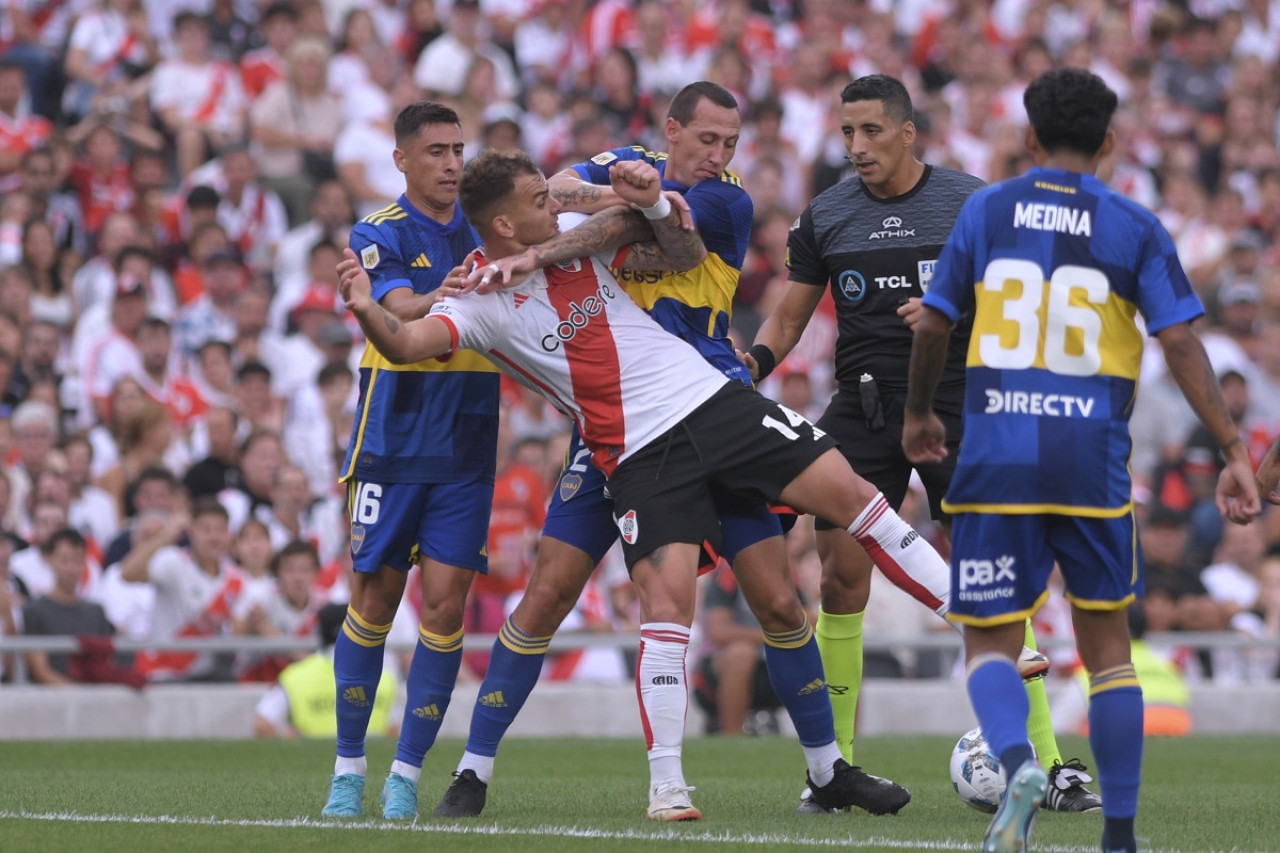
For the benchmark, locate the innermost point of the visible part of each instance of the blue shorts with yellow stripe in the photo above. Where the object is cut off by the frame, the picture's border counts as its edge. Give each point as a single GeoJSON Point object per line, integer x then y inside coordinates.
{"type": "Point", "coordinates": [395, 524]}
{"type": "Point", "coordinates": [1000, 564]}
{"type": "Point", "coordinates": [581, 513]}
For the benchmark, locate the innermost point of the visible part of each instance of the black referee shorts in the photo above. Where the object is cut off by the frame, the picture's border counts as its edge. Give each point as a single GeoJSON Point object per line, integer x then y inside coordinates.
{"type": "Point", "coordinates": [877, 454]}
{"type": "Point", "coordinates": [737, 441]}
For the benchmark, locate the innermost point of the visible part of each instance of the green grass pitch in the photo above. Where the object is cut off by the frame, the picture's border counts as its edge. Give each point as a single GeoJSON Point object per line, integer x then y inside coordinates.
{"type": "Point", "coordinates": [1200, 795]}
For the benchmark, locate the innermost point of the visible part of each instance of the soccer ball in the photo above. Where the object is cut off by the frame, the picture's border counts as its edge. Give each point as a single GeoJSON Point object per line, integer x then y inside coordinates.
{"type": "Point", "coordinates": [976, 773]}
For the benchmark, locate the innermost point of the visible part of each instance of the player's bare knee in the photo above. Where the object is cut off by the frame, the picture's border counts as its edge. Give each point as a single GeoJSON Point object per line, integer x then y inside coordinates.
{"type": "Point", "coordinates": [844, 590]}
{"type": "Point", "coordinates": [542, 609]}
{"type": "Point", "coordinates": [780, 613]}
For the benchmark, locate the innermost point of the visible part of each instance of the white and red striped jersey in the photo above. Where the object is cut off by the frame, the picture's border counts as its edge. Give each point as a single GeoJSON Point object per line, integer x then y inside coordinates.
{"type": "Point", "coordinates": [571, 333]}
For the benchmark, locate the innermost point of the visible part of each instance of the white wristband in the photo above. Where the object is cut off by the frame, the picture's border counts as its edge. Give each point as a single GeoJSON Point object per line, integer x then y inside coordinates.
{"type": "Point", "coordinates": [661, 210]}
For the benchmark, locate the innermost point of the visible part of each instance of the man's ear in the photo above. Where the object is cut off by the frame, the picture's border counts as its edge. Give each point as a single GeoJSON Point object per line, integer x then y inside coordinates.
{"type": "Point", "coordinates": [502, 226]}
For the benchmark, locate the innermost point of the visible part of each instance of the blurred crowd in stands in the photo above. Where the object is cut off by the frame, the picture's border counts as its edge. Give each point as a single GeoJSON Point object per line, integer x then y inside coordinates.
{"type": "Point", "coordinates": [179, 178]}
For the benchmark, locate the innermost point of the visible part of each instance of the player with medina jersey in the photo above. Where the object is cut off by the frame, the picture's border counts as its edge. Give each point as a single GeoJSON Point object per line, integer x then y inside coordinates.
{"type": "Point", "coordinates": [571, 333]}
{"type": "Point", "coordinates": [1055, 267]}
{"type": "Point", "coordinates": [702, 131]}
{"type": "Point", "coordinates": [420, 468]}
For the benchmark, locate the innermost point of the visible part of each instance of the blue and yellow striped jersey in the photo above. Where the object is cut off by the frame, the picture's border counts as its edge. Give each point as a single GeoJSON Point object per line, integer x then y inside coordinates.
{"type": "Point", "coordinates": [1055, 267]}
{"type": "Point", "coordinates": [695, 306]}
{"type": "Point", "coordinates": [430, 422]}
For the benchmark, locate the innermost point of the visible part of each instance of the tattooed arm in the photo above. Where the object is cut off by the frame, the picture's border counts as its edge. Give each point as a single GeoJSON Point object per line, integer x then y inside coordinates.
{"type": "Point", "coordinates": [399, 342]}
{"type": "Point", "coordinates": [579, 196]}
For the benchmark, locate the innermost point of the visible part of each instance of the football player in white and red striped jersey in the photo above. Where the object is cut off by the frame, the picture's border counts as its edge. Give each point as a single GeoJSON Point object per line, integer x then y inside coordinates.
{"type": "Point", "coordinates": [663, 424]}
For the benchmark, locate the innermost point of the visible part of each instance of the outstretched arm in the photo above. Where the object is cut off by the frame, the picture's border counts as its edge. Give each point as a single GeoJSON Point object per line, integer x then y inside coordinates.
{"type": "Point", "coordinates": [781, 330]}
{"type": "Point", "coordinates": [399, 342]}
{"type": "Point", "coordinates": [1237, 493]}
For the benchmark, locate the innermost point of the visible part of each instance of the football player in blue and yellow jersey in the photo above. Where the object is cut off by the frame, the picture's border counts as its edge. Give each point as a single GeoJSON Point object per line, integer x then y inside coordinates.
{"type": "Point", "coordinates": [419, 469]}
{"type": "Point", "coordinates": [1055, 267]}
{"type": "Point", "coordinates": [702, 130]}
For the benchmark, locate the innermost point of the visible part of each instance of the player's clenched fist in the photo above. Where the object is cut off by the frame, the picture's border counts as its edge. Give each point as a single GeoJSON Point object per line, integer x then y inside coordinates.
{"type": "Point", "coordinates": [636, 182]}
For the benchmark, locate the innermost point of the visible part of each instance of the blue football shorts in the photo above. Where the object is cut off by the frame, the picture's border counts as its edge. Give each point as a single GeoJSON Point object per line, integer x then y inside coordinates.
{"type": "Point", "coordinates": [1000, 564]}
{"type": "Point", "coordinates": [581, 513]}
{"type": "Point", "coordinates": [394, 524]}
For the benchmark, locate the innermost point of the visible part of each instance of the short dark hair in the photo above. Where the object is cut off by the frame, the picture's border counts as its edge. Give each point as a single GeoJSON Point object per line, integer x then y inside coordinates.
{"type": "Point", "coordinates": [208, 506]}
{"type": "Point", "coordinates": [331, 371]}
{"type": "Point", "coordinates": [156, 324]}
{"type": "Point", "coordinates": [885, 89]}
{"type": "Point", "coordinates": [185, 17]}
{"type": "Point", "coordinates": [132, 252]}
{"type": "Point", "coordinates": [488, 180]}
{"type": "Point", "coordinates": [297, 546]}
{"type": "Point", "coordinates": [69, 535]}
{"type": "Point", "coordinates": [687, 99]}
{"type": "Point", "coordinates": [418, 115]}
{"type": "Point", "coordinates": [156, 472]}
{"type": "Point", "coordinates": [253, 368]}
{"type": "Point", "coordinates": [1070, 109]}
{"type": "Point", "coordinates": [330, 619]}
{"type": "Point", "coordinates": [203, 196]}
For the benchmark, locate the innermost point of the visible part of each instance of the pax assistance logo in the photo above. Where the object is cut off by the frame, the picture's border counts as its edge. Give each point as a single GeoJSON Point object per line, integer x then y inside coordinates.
{"type": "Point", "coordinates": [629, 527]}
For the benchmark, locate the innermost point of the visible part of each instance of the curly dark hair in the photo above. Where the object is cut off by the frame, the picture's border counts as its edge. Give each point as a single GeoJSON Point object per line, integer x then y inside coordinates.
{"type": "Point", "coordinates": [1070, 110]}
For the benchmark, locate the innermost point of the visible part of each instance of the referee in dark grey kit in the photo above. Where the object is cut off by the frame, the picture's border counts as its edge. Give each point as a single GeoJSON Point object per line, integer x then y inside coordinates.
{"type": "Point", "coordinates": [875, 238]}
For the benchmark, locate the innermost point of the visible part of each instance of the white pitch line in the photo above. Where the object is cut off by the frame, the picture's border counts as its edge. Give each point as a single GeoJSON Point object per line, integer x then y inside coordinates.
{"type": "Point", "coordinates": [493, 829]}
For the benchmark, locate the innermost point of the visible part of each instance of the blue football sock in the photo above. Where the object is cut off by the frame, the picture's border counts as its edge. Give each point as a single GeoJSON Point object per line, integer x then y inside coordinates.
{"type": "Point", "coordinates": [795, 671]}
{"type": "Point", "coordinates": [432, 674]}
{"type": "Point", "coordinates": [357, 668]}
{"type": "Point", "coordinates": [1115, 736]}
{"type": "Point", "coordinates": [514, 667]}
{"type": "Point", "coordinates": [1000, 702]}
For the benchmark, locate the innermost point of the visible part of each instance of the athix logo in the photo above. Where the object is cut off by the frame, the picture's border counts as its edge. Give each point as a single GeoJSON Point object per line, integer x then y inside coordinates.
{"type": "Point", "coordinates": [987, 572]}
{"type": "Point", "coordinates": [355, 696]}
{"type": "Point", "coordinates": [578, 318]}
{"type": "Point", "coordinates": [629, 527]}
{"type": "Point", "coordinates": [891, 227]}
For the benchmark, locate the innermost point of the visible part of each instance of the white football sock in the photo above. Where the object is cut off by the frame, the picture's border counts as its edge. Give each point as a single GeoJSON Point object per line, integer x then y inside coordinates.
{"type": "Point", "coordinates": [408, 771]}
{"type": "Point", "coordinates": [357, 766]}
{"type": "Point", "coordinates": [821, 760]}
{"type": "Point", "coordinates": [664, 697]}
{"type": "Point", "coordinates": [906, 558]}
{"type": "Point", "coordinates": [481, 764]}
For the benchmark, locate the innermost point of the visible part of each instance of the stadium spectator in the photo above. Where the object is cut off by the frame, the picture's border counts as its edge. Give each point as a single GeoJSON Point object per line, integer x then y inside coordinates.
{"type": "Point", "coordinates": [35, 434]}
{"type": "Point", "coordinates": [91, 510]}
{"type": "Point", "coordinates": [145, 438]}
{"type": "Point", "coordinates": [262, 66]}
{"type": "Point", "coordinates": [198, 99]}
{"type": "Point", "coordinates": [61, 611]}
{"type": "Point", "coordinates": [211, 315]}
{"type": "Point", "coordinates": [330, 221]}
{"type": "Point", "coordinates": [37, 361]}
{"type": "Point", "coordinates": [303, 703]}
{"type": "Point", "coordinates": [30, 568]}
{"type": "Point", "coordinates": [294, 124]}
{"type": "Point", "coordinates": [284, 608]}
{"type": "Point", "coordinates": [364, 151]}
{"type": "Point", "coordinates": [21, 131]}
{"type": "Point", "coordinates": [196, 589]}
{"type": "Point", "coordinates": [50, 300]}
{"type": "Point", "coordinates": [442, 67]}
{"type": "Point", "coordinates": [252, 214]}
{"type": "Point", "coordinates": [732, 681]}
{"type": "Point", "coordinates": [261, 457]}
{"type": "Point", "coordinates": [48, 202]}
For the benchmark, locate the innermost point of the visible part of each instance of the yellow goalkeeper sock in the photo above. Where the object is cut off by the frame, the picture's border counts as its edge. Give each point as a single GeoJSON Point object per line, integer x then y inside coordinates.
{"type": "Point", "coordinates": [840, 641]}
{"type": "Point", "coordinates": [1039, 721]}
